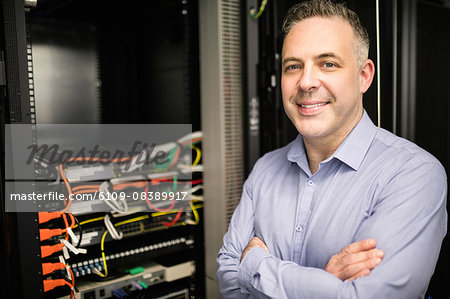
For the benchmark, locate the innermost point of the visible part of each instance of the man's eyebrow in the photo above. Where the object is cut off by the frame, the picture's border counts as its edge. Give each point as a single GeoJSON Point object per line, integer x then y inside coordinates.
{"type": "Point", "coordinates": [328, 55]}
{"type": "Point", "coordinates": [318, 57]}
{"type": "Point", "coordinates": [289, 59]}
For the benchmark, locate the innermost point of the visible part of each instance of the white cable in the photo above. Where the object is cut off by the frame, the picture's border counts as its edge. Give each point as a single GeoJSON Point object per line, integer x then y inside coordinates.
{"type": "Point", "coordinates": [132, 165]}
{"type": "Point", "coordinates": [72, 235]}
{"type": "Point", "coordinates": [162, 175]}
{"type": "Point", "coordinates": [130, 211]}
{"type": "Point", "coordinates": [106, 195]}
{"type": "Point", "coordinates": [193, 135]}
{"type": "Point", "coordinates": [197, 197]}
{"type": "Point", "coordinates": [378, 64]}
{"type": "Point", "coordinates": [166, 147]}
{"type": "Point", "coordinates": [184, 166]}
{"type": "Point", "coordinates": [196, 168]}
{"type": "Point", "coordinates": [58, 179]}
{"type": "Point", "coordinates": [111, 229]}
{"type": "Point", "coordinates": [66, 253]}
{"type": "Point", "coordinates": [123, 202]}
{"type": "Point", "coordinates": [142, 156]}
{"type": "Point", "coordinates": [62, 261]}
{"type": "Point", "coordinates": [116, 205]}
{"type": "Point", "coordinates": [126, 179]}
{"type": "Point", "coordinates": [195, 189]}
{"type": "Point", "coordinates": [190, 221]}
{"type": "Point", "coordinates": [70, 246]}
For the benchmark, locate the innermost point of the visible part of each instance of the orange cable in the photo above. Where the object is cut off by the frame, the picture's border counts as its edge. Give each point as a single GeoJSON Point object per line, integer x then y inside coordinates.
{"type": "Point", "coordinates": [155, 208]}
{"type": "Point", "coordinates": [47, 250]}
{"type": "Point", "coordinates": [45, 233]}
{"type": "Point", "coordinates": [137, 184]}
{"type": "Point", "coordinates": [88, 159]}
{"type": "Point", "coordinates": [191, 141]}
{"type": "Point", "coordinates": [85, 187]}
{"type": "Point", "coordinates": [177, 217]}
{"type": "Point", "coordinates": [48, 268]}
{"type": "Point", "coordinates": [86, 191]}
{"type": "Point", "coordinates": [47, 216]}
{"type": "Point", "coordinates": [50, 284]}
{"type": "Point", "coordinates": [69, 190]}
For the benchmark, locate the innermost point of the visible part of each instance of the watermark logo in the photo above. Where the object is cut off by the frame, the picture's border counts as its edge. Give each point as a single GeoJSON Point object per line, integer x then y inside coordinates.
{"type": "Point", "coordinates": [101, 168]}
{"type": "Point", "coordinates": [140, 154]}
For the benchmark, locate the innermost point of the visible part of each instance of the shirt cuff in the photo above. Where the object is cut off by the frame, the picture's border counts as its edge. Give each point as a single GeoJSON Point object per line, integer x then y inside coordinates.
{"type": "Point", "coordinates": [249, 265]}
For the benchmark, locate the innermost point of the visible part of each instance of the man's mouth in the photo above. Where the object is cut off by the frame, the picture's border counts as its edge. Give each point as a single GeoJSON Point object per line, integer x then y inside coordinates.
{"type": "Point", "coordinates": [313, 105]}
{"type": "Point", "coordinates": [312, 108]}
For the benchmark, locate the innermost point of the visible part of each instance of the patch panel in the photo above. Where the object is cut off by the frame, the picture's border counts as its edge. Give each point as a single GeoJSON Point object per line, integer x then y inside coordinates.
{"type": "Point", "coordinates": [150, 274]}
{"type": "Point", "coordinates": [86, 267]}
{"type": "Point", "coordinates": [92, 234]}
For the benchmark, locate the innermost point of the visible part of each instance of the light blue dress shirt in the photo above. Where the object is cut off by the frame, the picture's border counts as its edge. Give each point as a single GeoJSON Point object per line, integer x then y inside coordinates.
{"type": "Point", "coordinates": [376, 185]}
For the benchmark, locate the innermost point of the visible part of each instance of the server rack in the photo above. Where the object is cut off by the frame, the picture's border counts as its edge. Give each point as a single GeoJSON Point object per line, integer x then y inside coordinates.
{"type": "Point", "coordinates": [138, 64]}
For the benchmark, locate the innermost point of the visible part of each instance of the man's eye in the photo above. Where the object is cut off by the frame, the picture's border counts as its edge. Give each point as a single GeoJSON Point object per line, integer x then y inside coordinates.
{"type": "Point", "coordinates": [292, 67]}
{"type": "Point", "coordinates": [329, 64]}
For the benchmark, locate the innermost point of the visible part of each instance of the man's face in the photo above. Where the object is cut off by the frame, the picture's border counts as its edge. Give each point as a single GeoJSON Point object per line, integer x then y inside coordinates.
{"type": "Point", "coordinates": [322, 85]}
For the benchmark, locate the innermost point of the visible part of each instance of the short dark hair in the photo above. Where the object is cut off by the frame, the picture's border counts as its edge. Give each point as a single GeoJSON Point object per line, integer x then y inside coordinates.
{"type": "Point", "coordinates": [328, 9]}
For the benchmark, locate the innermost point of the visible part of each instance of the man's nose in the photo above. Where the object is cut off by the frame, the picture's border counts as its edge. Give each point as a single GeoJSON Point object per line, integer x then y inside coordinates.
{"type": "Point", "coordinates": [309, 80]}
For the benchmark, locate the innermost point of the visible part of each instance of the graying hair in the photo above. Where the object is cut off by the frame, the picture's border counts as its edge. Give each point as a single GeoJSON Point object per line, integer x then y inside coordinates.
{"type": "Point", "coordinates": [328, 9]}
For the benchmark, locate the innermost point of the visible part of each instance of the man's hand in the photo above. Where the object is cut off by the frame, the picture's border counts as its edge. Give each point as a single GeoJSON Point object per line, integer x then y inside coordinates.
{"type": "Point", "coordinates": [355, 261]}
{"type": "Point", "coordinates": [254, 242]}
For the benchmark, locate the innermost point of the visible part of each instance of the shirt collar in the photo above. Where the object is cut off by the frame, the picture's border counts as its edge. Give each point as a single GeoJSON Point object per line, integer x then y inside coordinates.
{"type": "Point", "coordinates": [297, 153]}
{"type": "Point", "coordinates": [351, 151]}
{"type": "Point", "coordinates": [354, 148]}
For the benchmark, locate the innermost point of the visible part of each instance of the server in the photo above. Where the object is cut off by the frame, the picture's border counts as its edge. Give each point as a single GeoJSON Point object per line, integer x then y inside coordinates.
{"type": "Point", "coordinates": [125, 217]}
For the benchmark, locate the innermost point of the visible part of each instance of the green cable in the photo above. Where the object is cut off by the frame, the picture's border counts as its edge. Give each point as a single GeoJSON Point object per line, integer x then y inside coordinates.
{"type": "Point", "coordinates": [175, 179]}
{"type": "Point", "coordinates": [261, 9]}
{"type": "Point", "coordinates": [170, 157]}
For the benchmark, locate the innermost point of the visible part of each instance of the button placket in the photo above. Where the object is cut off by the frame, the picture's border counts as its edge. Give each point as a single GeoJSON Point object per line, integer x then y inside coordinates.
{"type": "Point", "coordinates": [303, 217]}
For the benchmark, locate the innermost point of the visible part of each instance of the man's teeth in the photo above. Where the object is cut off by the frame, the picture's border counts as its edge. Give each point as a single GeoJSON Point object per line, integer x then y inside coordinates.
{"type": "Point", "coordinates": [312, 106]}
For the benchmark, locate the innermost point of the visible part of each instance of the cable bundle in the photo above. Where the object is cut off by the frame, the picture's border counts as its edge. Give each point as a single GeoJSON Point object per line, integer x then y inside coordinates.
{"type": "Point", "coordinates": [171, 172]}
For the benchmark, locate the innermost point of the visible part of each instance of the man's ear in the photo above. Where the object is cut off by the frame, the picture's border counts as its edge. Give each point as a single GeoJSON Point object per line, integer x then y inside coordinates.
{"type": "Point", "coordinates": [366, 75]}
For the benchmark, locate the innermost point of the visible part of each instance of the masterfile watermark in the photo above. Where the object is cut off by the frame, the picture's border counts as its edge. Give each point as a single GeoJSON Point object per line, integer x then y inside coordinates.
{"type": "Point", "coordinates": [37, 196]}
{"type": "Point", "coordinates": [48, 166]}
{"type": "Point", "coordinates": [141, 153]}
{"type": "Point", "coordinates": [135, 196]}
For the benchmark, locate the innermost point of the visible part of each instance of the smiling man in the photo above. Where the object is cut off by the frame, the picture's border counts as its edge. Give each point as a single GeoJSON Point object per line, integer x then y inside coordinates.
{"type": "Point", "coordinates": [346, 210]}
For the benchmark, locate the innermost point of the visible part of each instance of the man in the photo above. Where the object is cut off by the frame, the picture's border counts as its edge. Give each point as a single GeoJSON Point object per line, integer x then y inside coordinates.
{"type": "Point", "coordinates": [347, 210]}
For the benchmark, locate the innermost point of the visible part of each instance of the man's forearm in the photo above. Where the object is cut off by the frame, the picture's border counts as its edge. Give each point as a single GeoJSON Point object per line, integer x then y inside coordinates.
{"type": "Point", "coordinates": [354, 261]}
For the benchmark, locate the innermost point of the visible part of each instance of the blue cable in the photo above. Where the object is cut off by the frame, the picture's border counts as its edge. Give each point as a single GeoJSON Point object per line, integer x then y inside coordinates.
{"type": "Point", "coordinates": [119, 293]}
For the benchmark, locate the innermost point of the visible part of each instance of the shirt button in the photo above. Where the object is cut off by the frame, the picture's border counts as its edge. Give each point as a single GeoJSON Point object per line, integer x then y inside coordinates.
{"type": "Point", "coordinates": [310, 183]}
{"type": "Point", "coordinates": [298, 228]}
